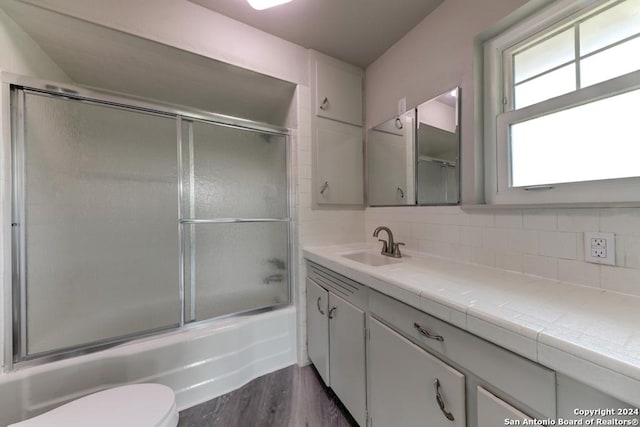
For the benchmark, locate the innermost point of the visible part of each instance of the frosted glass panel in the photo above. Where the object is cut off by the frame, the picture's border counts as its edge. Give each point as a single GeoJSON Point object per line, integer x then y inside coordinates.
{"type": "Point", "coordinates": [101, 223]}
{"type": "Point", "coordinates": [558, 82]}
{"type": "Point", "coordinates": [544, 56]}
{"type": "Point", "coordinates": [237, 267]}
{"type": "Point", "coordinates": [591, 142]}
{"type": "Point", "coordinates": [610, 26]}
{"type": "Point", "coordinates": [431, 183]}
{"type": "Point", "coordinates": [610, 63]}
{"type": "Point", "coordinates": [234, 173]}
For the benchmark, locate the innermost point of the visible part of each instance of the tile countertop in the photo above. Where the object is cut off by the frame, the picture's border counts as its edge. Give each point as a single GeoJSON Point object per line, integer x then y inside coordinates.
{"type": "Point", "coordinates": [586, 333]}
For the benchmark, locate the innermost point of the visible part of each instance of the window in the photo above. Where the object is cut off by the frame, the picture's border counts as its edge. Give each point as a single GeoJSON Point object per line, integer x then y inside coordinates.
{"type": "Point", "coordinates": [562, 121]}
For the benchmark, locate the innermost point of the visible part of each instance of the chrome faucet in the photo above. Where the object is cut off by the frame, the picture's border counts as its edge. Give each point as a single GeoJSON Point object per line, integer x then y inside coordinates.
{"type": "Point", "coordinates": [389, 248]}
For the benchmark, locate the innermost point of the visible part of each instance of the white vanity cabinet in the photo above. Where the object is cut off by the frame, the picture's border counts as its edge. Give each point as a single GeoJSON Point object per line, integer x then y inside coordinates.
{"type": "Point", "coordinates": [339, 165]}
{"type": "Point", "coordinates": [346, 356]}
{"type": "Point", "coordinates": [318, 328]}
{"type": "Point", "coordinates": [337, 89]}
{"type": "Point", "coordinates": [337, 133]}
{"type": "Point", "coordinates": [336, 336]}
{"type": "Point", "coordinates": [410, 387]}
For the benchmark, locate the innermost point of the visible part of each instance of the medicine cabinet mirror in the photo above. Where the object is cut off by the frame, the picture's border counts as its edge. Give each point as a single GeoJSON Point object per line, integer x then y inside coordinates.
{"type": "Point", "coordinates": [413, 159]}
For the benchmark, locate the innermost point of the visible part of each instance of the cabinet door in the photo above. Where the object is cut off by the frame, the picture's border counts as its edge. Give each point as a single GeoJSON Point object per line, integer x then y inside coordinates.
{"type": "Point", "coordinates": [346, 347]}
{"type": "Point", "coordinates": [402, 384]}
{"type": "Point", "coordinates": [339, 164]}
{"type": "Point", "coordinates": [338, 93]}
{"type": "Point", "coordinates": [493, 411]}
{"type": "Point", "coordinates": [318, 328]}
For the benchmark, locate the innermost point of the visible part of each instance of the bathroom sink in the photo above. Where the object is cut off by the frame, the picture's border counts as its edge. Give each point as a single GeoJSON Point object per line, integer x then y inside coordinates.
{"type": "Point", "coordinates": [371, 258]}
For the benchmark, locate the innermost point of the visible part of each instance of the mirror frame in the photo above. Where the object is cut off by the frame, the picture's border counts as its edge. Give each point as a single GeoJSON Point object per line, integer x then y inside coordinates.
{"type": "Point", "coordinates": [416, 189]}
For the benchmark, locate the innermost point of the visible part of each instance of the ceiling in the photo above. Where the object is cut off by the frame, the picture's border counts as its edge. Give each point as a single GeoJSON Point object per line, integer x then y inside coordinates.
{"type": "Point", "coordinates": [355, 31]}
{"type": "Point", "coordinates": [92, 55]}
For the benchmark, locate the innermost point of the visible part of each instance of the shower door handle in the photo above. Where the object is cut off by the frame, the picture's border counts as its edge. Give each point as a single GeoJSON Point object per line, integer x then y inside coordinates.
{"type": "Point", "coordinates": [318, 304]}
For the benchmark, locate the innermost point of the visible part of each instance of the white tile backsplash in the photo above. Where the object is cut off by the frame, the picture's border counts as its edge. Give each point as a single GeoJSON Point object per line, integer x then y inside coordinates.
{"type": "Point", "coordinates": [540, 219]}
{"type": "Point", "coordinates": [535, 265]}
{"type": "Point", "coordinates": [543, 242]}
{"type": "Point", "coordinates": [620, 221]}
{"type": "Point", "coordinates": [559, 244]}
{"type": "Point", "coordinates": [578, 220]}
{"type": "Point", "coordinates": [508, 219]}
{"type": "Point", "coordinates": [579, 272]}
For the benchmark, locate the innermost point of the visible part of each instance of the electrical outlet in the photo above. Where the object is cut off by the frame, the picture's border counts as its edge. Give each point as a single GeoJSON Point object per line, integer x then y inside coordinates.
{"type": "Point", "coordinates": [600, 248]}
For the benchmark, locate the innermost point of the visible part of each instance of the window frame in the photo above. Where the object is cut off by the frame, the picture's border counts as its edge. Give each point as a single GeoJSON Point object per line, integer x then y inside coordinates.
{"type": "Point", "coordinates": [499, 114]}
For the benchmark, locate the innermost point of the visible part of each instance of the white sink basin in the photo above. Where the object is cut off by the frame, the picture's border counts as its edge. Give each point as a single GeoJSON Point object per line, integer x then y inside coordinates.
{"type": "Point", "coordinates": [371, 258]}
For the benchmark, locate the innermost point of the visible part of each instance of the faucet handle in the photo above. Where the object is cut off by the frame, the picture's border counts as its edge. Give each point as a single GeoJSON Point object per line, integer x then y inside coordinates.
{"type": "Point", "coordinates": [384, 246]}
{"type": "Point", "coordinates": [396, 250]}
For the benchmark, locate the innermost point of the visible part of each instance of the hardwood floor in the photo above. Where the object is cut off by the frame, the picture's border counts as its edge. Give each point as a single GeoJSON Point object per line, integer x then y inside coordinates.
{"type": "Point", "coordinates": [290, 397]}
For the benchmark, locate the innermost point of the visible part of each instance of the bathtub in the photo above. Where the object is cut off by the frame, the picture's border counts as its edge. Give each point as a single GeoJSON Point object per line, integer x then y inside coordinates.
{"type": "Point", "coordinates": [199, 363]}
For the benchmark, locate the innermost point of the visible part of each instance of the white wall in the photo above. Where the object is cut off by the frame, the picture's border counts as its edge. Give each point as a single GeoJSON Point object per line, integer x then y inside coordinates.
{"type": "Point", "coordinates": [439, 54]}
{"type": "Point", "coordinates": [435, 56]}
{"type": "Point", "coordinates": [188, 26]}
{"type": "Point", "coordinates": [20, 55]}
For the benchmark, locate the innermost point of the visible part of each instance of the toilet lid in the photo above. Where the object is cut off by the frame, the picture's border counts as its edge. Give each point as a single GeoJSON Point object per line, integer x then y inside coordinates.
{"type": "Point", "coordinates": [139, 405]}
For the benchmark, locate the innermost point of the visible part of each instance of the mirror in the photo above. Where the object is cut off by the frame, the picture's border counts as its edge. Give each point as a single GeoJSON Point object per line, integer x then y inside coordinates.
{"type": "Point", "coordinates": [390, 154]}
{"type": "Point", "coordinates": [438, 150]}
{"type": "Point", "coordinates": [413, 159]}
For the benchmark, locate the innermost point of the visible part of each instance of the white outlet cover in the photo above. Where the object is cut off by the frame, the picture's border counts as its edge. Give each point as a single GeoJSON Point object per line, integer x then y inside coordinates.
{"type": "Point", "coordinates": [592, 241]}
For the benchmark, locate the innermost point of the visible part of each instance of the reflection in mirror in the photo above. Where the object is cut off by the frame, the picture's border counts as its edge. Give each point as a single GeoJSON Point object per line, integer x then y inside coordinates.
{"type": "Point", "coordinates": [438, 150]}
{"type": "Point", "coordinates": [390, 164]}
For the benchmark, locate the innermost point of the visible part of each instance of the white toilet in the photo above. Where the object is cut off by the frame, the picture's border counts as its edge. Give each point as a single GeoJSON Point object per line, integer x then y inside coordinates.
{"type": "Point", "coordinates": [137, 405]}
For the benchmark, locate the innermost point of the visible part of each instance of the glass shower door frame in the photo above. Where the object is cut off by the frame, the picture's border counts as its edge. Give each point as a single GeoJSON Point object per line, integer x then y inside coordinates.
{"type": "Point", "coordinates": [14, 288]}
{"type": "Point", "coordinates": [189, 293]}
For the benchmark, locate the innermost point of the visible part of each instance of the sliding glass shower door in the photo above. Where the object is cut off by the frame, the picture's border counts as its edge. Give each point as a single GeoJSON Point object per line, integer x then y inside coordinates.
{"type": "Point", "coordinates": [129, 220]}
{"type": "Point", "coordinates": [236, 219]}
{"type": "Point", "coordinates": [97, 216]}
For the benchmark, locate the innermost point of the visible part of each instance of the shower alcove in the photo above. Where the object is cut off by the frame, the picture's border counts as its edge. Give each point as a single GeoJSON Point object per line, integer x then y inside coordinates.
{"type": "Point", "coordinates": [151, 191]}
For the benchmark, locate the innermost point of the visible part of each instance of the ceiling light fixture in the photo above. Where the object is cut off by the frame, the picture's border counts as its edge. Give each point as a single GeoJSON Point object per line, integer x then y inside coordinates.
{"type": "Point", "coordinates": [266, 4]}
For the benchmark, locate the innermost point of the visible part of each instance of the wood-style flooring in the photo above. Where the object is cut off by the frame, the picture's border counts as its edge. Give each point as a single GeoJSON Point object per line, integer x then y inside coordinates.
{"type": "Point", "coordinates": [290, 397]}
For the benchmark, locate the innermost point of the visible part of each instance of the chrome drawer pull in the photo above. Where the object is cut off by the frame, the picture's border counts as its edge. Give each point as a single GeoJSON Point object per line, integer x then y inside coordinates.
{"type": "Point", "coordinates": [318, 304]}
{"type": "Point", "coordinates": [331, 310]}
{"type": "Point", "coordinates": [325, 103]}
{"type": "Point", "coordinates": [427, 334]}
{"type": "Point", "coordinates": [436, 387]}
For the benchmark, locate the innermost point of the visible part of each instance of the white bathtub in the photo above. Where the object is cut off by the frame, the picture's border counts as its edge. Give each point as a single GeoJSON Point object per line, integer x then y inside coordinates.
{"type": "Point", "coordinates": [199, 363]}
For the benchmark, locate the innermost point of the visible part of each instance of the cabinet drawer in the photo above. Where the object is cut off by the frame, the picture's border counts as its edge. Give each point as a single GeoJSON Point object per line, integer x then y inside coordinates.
{"type": "Point", "coordinates": [493, 411]}
{"type": "Point", "coordinates": [517, 377]}
{"type": "Point", "coordinates": [407, 384]}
